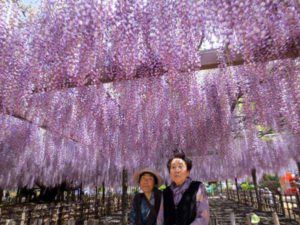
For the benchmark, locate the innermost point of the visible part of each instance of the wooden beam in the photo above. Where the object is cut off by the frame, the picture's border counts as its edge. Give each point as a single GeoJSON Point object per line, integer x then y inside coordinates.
{"type": "Point", "coordinates": [43, 127]}
{"type": "Point", "coordinates": [48, 129]}
{"type": "Point", "coordinates": [209, 60]}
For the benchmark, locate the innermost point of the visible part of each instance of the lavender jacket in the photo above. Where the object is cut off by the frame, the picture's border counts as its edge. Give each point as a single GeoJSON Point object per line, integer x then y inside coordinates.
{"type": "Point", "coordinates": [202, 217]}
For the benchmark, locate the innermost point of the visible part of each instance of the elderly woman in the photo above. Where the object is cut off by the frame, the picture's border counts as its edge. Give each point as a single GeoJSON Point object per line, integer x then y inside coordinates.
{"type": "Point", "coordinates": [185, 201]}
{"type": "Point", "coordinates": [145, 206]}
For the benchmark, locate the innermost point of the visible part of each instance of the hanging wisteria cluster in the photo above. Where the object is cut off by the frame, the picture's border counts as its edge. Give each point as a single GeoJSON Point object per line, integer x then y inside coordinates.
{"type": "Point", "coordinates": [91, 87]}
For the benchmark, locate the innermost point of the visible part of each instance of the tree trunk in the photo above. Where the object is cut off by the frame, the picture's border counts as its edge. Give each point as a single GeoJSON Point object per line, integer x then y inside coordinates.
{"type": "Point", "coordinates": [237, 189]}
{"type": "Point", "coordinates": [227, 189]}
{"type": "Point", "coordinates": [253, 172]}
{"type": "Point", "coordinates": [1, 195]}
{"type": "Point", "coordinates": [103, 198]}
{"type": "Point", "coordinates": [124, 196]}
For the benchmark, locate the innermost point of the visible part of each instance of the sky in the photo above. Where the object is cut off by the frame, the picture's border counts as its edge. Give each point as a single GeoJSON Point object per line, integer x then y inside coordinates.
{"type": "Point", "coordinates": [206, 45]}
{"type": "Point", "coordinates": [33, 3]}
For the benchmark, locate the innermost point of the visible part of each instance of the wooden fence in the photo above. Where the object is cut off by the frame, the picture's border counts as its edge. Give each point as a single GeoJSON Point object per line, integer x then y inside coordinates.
{"type": "Point", "coordinates": [267, 201]}
{"type": "Point", "coordinates": [60, 213]}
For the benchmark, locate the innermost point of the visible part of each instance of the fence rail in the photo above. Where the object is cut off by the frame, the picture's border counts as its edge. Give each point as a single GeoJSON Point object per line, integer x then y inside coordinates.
{"type": "Point", "coordinates": [61, 212]}
{"type": "Point", "coordinates": [267, 201]}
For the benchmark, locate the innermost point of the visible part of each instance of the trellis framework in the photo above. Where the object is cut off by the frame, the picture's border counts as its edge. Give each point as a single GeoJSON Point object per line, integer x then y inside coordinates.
{"type": "Point", "coordinates": [73, 127]}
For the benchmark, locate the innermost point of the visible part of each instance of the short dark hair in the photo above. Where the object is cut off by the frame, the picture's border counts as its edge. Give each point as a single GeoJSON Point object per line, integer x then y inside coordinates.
{"type": "Point", "coordinates": [151, 174]}
{"type": "Point", "coordinates": [181, 155]}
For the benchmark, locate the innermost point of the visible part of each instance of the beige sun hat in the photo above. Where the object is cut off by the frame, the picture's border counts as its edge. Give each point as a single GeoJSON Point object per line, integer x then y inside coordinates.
{"type": "Point", "coordinates": [137, 175]}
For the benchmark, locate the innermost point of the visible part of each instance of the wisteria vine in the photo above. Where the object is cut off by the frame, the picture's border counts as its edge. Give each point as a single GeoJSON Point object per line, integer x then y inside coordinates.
{"type": "Point", "coordinates": [89, 87]}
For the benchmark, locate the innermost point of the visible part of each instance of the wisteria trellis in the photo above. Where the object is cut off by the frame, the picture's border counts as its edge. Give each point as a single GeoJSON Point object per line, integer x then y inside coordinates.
{"type": "Point", "coordinates": [60, 122]}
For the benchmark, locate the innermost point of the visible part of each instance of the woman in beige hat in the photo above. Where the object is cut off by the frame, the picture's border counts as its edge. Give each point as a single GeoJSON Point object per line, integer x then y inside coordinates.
{"type": "Point", "coordinates": [145, 206]}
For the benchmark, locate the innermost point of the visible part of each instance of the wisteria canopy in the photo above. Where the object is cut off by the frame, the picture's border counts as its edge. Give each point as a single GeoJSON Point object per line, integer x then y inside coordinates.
{"type": "Point", "coordinates": [89, 87]}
